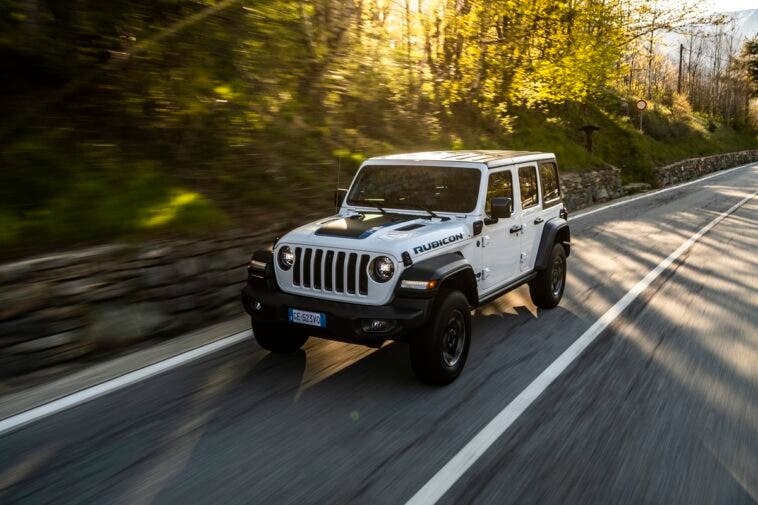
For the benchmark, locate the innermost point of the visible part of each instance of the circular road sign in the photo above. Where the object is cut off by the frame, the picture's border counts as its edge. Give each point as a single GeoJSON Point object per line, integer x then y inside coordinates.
{"type": "Point", "coordinates": [641, 105]}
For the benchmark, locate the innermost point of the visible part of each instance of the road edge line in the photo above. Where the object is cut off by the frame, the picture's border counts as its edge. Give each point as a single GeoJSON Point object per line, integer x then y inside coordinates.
{"type": "Point", "coordinates": [436, 487]}
{"type": "Point", "coordinates": [22, 419]}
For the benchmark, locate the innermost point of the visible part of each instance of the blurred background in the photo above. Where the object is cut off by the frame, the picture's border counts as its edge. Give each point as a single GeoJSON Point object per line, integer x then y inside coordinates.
{"type": "Point", "coordinates": [148, 147]}
{"type": "Point", "coordinates": [128, 120]}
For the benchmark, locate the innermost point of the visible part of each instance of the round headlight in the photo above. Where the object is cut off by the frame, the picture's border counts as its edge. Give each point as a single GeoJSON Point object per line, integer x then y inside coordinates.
{"type": "Point", "coordinates": [383, 269]}
{"type": "Point", "coordinates": [286, 258]}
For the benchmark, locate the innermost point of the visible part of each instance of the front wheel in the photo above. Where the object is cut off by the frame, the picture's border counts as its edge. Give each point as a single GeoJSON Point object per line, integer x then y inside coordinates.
{"type": "Point", "coordinates": [440, 349]}
{"type": "Point", "coordinates": [546, 289]}
{"type": "Point", "coordinates": [278, 337]}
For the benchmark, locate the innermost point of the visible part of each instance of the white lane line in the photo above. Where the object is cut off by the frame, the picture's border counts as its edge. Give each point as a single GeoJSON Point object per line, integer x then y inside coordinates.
{"type": "Point", "coordinates": [664, 190]}
{"type": "Point", "coordinates": [15, 422]}
{"type": "Point", "coordinates": [449, 474]}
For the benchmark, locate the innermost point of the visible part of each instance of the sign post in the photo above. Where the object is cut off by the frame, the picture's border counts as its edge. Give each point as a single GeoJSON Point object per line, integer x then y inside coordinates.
{"type": "Point", "coordinates": [641, 106]}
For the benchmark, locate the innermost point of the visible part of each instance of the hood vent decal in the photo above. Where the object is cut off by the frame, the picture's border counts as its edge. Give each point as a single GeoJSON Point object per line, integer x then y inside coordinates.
{"type": "Point", "coordinates": [361, 225]}
{"type": "Point", "coordinates": [410, 227]}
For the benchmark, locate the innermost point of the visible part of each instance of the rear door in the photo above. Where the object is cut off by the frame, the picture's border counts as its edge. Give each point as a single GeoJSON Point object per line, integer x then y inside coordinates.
{"type": "Point", "coordinates": [550, 189]}
{"type": "Point", "coordinates": [531, 218]}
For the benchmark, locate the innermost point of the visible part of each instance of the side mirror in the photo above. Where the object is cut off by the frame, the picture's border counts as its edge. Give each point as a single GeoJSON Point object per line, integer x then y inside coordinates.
{"type": "Point", "coordinates": [500, 207]}
{"type": "Point", "coordinates": [339, 196]}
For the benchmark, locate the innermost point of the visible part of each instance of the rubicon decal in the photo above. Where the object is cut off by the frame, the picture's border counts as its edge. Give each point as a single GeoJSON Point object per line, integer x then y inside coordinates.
{"type": "Point", "coordinates": [437, 243]}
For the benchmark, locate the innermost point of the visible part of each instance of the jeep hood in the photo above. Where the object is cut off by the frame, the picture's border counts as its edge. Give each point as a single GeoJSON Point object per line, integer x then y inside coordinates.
{"type": "Point", "coordinates": [379, 232]}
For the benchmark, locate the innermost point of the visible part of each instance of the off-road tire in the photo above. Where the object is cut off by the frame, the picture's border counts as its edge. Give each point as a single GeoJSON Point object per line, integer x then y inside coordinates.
{"type": "Point", "coordinates": [440, 348]}
{"type": "Point", "coordinates": [278, 337]}
{"type": "Point", "coordinates": [547, 288]}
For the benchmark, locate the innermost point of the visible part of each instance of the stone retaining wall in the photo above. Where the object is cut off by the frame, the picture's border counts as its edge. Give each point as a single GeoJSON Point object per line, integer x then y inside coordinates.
{"type": "Point", "coordinates": [67, 306]}
{"type": "Point", "coordinates": [588, 188]}
{"type": "Point", "coordinates": [63, 307]}
{"type": "Point", "coordinates": [693, 168]}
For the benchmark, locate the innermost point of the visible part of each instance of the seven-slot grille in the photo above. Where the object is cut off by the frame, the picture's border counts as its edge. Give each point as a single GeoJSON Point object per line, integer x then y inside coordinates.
{"type": "Point", "coordinates": [335, 271]}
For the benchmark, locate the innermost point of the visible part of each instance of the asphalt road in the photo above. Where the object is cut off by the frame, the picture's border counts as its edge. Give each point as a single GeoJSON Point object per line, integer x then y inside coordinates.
{"type": "Point", "coordinates": [661, 408]}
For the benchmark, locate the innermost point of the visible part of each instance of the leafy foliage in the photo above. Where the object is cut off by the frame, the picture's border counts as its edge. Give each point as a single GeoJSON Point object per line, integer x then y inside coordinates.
{"type": "Point", "coordinates": [751, 57]}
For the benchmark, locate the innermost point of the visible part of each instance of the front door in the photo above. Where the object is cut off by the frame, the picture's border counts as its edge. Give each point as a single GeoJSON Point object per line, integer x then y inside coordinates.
{"type": "Point", "coordinates": [501, 247]}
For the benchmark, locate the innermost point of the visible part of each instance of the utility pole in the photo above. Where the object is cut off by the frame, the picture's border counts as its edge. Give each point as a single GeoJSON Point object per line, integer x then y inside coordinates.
{"type": "Point", "coordinates": [679, 80]}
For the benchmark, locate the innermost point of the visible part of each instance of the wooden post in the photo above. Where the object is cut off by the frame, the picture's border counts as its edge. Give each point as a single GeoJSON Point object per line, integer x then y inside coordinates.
{"type": "Point", "coordinates": [679, 80]}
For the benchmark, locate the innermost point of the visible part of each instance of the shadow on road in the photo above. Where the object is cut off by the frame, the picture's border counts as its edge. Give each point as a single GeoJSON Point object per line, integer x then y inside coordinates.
{"type": "Point", "coordinates": [338, 423]}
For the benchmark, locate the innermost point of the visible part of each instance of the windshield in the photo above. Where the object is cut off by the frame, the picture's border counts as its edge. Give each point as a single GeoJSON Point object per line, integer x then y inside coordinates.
{"type": "Point", "coordinates": [442, 189]}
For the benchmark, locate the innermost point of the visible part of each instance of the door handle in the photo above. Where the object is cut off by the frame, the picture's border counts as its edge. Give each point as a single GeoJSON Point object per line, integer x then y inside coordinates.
{"type": "Point", "coordinates": [516, 229]}
{"type": "Point", "coordinates": [538, 220]}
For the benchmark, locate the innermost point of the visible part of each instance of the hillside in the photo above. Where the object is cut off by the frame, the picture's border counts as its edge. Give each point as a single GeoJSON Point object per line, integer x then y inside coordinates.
{"type": "Point", "coordinates": [148, 119]}
{"type": "Point", "coordinates": [296, 173]}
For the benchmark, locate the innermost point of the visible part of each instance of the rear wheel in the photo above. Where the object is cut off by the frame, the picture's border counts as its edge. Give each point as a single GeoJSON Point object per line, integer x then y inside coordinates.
{"type": "Point", "coordinates": [278, 337]}
{"type": "Point", "coordinates": [546, 289]}
{"type": "Point", "coordinates": [440, 349]}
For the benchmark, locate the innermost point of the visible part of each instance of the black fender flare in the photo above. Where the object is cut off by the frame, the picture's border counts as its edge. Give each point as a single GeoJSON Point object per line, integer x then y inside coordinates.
{"type": "Point", "coordinates": [444, 268]}
{"type": "Point", "coordinates": [264, 255]}
{"type": "Point", "coordinates": [556, 230]}
{"type": "Point", "coordinates": [265, 275]}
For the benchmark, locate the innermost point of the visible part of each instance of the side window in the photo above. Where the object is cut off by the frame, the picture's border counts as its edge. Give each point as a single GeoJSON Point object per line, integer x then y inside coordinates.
{"type": "Point", "coordinates": [500, 185]}
{"type": "Point", "coordinates": [551, 191]}
{"type": "Point", "coordinates": [527, 181]}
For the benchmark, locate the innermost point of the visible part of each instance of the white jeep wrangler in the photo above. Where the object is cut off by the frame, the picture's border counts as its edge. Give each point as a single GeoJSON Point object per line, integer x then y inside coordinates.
{"type": "Point", "coordinates": [418, 241]}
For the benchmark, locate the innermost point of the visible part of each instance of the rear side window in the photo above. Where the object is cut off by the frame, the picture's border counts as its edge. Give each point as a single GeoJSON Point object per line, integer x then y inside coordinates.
{"type": "Point", "coordinates": [551, 191]}
{"type": "Point", "coordinates": [527, 181]}
{"type": "Point", "coordinates": [500, 185]}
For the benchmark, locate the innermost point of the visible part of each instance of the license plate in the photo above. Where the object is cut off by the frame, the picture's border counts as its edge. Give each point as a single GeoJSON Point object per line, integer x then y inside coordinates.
{"type": "Point", "coordinates": [309, 318]}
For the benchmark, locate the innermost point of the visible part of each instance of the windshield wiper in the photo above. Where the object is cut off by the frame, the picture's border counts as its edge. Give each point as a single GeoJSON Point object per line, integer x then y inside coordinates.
{"type": "Point", "coordinates": [425, 209]}
{"type": "Point", "coordinates": [367, 203]}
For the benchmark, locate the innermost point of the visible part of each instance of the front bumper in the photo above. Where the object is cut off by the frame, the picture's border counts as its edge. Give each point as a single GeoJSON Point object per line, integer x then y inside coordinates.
{"type": "Point", "coordinates": [344, 321]}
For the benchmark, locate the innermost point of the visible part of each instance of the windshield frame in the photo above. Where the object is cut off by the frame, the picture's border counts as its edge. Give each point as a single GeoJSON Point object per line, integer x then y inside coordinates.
{"type": "Point", "coordinates": [479, 167]}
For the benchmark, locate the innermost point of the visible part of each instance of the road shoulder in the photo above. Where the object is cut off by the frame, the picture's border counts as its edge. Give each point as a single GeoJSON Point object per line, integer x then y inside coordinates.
{"type": "Point", "coordinates": [35, 396]}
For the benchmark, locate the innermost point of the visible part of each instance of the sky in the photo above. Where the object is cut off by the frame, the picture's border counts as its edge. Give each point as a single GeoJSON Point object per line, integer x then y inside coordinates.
{"type": "Point", "coordinates": [731, 5]}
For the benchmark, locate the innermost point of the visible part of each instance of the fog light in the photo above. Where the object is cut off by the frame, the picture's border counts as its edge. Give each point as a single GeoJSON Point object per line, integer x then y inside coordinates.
{"type": "Point", "coordinates": [258, 306]}
{"type": "Point", "coordinates": [377, 325]}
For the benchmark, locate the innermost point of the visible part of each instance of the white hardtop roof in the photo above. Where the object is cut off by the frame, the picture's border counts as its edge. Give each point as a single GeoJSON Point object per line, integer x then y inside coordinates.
{"type": "Point", "coordinates": [489, 158]}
